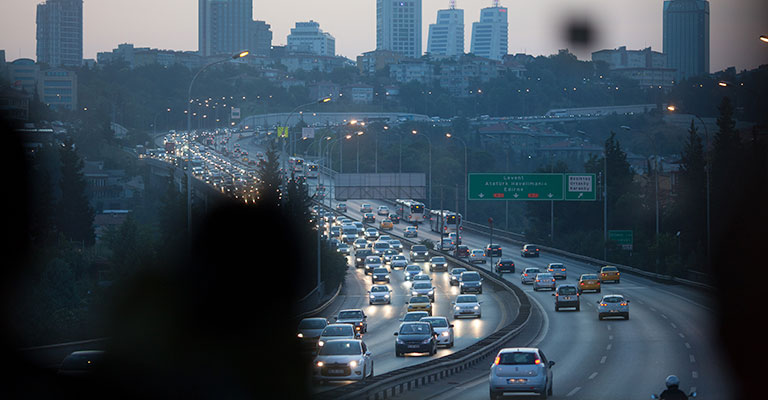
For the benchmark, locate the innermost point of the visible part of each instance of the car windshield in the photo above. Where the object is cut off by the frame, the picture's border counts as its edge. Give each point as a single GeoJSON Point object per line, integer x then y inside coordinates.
{"type": "Point", "coordinates": [436, 322]}
{"type": "Point", "coordinates": [470, 276]}
{"type": "Point", "coordinates": [351, 315]}
{"type": "Point", "coordinates": [421, 277]}
{"type": "Point", "coordinates": [567, 290]}
{"type": "Point", "coordinates": [379, 270]}
{"type": "Point", "coordinates": [345, 330]}
{"type": "Point", "coordinates": [419, 299]}
{"type": "Point", "coordinates": [382, 246]}
{"type": "Point", "coordinates": [466, 299]}
{"type": "Point", "coordinates": [420, 328]}
{"type": "Point", "coordinates": [517, 358]}
{"type": "Point", "coordinates": [341, 348]}
{"type": "Point", "coordinates": [438, 259]}
{"type": "Point", "coordinates": [457, 271]}
{"type": "Point", "coordinates": [372, 260]}
{"type": "Point", "coordinates": [422, 285]}
{"type": "Point", "coordinates": [556, 266]}
{"type": "Point", "coordinates": [398, 258]}
{"type": "Point", "coordinates": [419, 248]}
{"type": "Point", "coordinates": [612, 299]}
{"type": "Point", "coordinates": [378, 289]}
{"type": "Point", "coordinates": [312, 324]}
{"type": "Point", "coordinates": [413, 268]}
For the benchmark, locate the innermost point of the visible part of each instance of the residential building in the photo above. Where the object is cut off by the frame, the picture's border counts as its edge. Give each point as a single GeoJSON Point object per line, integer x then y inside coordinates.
{"type": "Point", "coordinates": [60, 33]}
{"type": "Point", "coordinates": [22, 74]}
{"type": "Point", "coordinates": [412, 70]}
{"type": "Point", "coordinates": [490, 34]}
{"type": "Point", "coordinates": [261, 38]}
{"type": "Point", "coordinates": [311, 62]}
{"type": "Point", "coordinates": [322, 89]}
{"type": "Point", "coordinates": [446, 35]}
{"type": "Point", "coordinates": [224, 26]}
{"type": "Point", "coordinates": [371, 62]}
{"type": "Point", "coordinates": [460, 77]}
{"type": "Point", "coordinates": [647, 67]}
{"type": "Point", "coordinates": [686, 37]}
{"type": "Point", "coordinates": [141, 56]}
{"type": "Point", "coordinates": [57, 88]}
{"type": "Point", "coordinates": [14, 104]}
{"type": "Point", "coordinates": [307, 37]}
{"type": "Point", "coordinates": [358, 93]}
{"type": "Point", "coordinates": [398, 27]}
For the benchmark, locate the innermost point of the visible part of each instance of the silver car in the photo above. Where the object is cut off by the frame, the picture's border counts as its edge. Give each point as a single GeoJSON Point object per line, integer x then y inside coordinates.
{"type": "Point", "coordinates": [443, 328]}
{"type": "Point", "coordinates": [398, 261]}
{"type": "Point", "coordinates": [371, 234]}
{"type": "Point", "coordinates": [612, 305]}
{"type": "Point", "coordinates": [544, 281]}
{"type": "Point", "coordinates": [336, 331]}
{"type": "Point", "coordinates": [395, 244]}
{"type": "Point", "coordinates": [343, 359]}
{"type": "Point", "coordinates": [455, 275]}
{"type": "Point", "coordinates": [466, 305]}
{"type": "Point", "coordinates": [410, 271]}
{"type": "Point", "coordinates": [520, 370]}
{"type": "Point", "coordinates": [380, 294]}
{"type": "Point", "coordinates": [423, 289]}
{"type": "Point", "coordinates": [557, 270]}
{"type": "Point", "coordinates": [529, 275]}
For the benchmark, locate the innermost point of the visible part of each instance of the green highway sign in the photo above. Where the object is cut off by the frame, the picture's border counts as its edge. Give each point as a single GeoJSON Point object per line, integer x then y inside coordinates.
{"type": "Point", "coordinates": [532, 186]}
{"type": "Point", "coordinates": [624, 238]}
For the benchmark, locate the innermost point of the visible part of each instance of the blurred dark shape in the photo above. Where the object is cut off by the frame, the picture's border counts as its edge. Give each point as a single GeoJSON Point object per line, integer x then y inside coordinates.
{"type": "Point", "coordinates": [579, 32]}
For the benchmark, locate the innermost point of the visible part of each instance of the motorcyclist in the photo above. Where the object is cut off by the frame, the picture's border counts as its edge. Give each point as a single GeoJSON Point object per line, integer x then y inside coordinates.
{"type": "Point", "coordinates": [673, 391]}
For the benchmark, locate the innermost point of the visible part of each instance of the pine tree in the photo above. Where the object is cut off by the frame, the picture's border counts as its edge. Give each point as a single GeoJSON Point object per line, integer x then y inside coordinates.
{"type": "Point", "coordinates": [74, 214]}
{"type": "Point", "coordinates": [691, 201]}
{"type": "Point", "coordinates": [270, 178]}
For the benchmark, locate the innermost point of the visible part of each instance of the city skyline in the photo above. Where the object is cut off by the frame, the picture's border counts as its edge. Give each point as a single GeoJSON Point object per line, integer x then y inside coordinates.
{"type": "Point", "coordinates": [735, 26]}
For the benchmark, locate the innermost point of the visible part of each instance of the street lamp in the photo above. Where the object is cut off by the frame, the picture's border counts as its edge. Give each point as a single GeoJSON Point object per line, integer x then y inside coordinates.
{"type": "Point", "coordinates": [466, 174]}
{"type": "Point", "coordinates": [764, 38]}
{"type": "Point", "coordinates": [429, 193]}
{"type": "Point", "coordinates": [321, 100]}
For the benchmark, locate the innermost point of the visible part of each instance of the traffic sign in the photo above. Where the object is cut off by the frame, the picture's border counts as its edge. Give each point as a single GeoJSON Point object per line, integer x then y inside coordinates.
{"type": "Point", "coordinates": [580, 187]}
{"type": "Point", "coordinates": [624, 238]}
{"type": "Point", "coordinates": [515, 186]}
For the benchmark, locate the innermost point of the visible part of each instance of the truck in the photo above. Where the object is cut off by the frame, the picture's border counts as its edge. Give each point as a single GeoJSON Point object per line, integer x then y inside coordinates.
{"type": "Point", "coordinates": [170, 147]}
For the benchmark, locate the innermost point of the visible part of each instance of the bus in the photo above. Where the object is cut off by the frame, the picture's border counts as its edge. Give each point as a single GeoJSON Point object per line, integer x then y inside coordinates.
{"type": "Point", "coordinates": [296, 164]}
{"type": "Point", "coordinates": [445, 221]}
{"type": "Point", "coordinates": [312, 170]}
{"type": "Point", "coordinates": [410, 210]}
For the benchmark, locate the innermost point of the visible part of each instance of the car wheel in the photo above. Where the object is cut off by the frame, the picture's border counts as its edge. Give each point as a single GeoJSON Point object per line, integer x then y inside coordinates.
{"type": "Point", "coordinates": [578, 308]}
{"type": "Point", "coordinates": [479, 316]}
{"type": "Point", "coordinates": [534, 289]}
{"type": "Point", "coordinates": [549, 391]}
{"type": "Point", "coordinates": [557, 308]}
{"type": "Point", "coordinates": [370, 303]}
{"type": "Point", "coordinates": [626, 316]}
{"type": "Point", "coordinates": [599, 317]}
{"type": "Point", "coordinates": [618, 280]}
{"type": "Point", "coordinates": [371, 375]}
{"type": "Point", "coordinates": [598, 290]}
{"type": "Point", "coordinates": [494, 395]}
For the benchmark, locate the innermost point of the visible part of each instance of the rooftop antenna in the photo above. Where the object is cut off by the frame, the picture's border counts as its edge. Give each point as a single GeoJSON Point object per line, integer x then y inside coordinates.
{"type": "Point", "coordinates": [496, 3]}
{"type": "Point", "coordinates": [453, 4]}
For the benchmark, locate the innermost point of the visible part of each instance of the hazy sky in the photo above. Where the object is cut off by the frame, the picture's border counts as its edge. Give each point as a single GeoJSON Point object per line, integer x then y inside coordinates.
{"type": "Point", "coordinates": [534, 25]}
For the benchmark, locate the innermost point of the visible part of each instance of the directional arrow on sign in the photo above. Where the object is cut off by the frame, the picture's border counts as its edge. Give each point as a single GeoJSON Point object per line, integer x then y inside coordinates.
{"type": "Point", "coordinates": [515, 195]}
{"type": "Point", "coordinates": [581, 195]}
{"type": "Point", "coordinates": [550, 195]}
{"type": "Point", "coordinates": [481, 195]}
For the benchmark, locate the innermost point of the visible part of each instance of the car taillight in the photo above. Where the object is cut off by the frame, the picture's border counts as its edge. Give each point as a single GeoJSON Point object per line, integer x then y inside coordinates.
{"type": "Point", "coordinates": [525, 274]}
{"type": "Point", "coordinates": [581, 283]}
{"type": "Point", "coordinates": [623, 304]}
{"type": "Point", "coordinates": [603, 304]}
{"type": "Point", "coordinates": [497, 360]}
{"type": "Point", "coordinates": [537, 362]}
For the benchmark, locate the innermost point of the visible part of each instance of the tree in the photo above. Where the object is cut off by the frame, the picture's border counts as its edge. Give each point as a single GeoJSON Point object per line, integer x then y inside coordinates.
{"type": "Point", "coordinates": [691, 203]}
{"type": "Point", "coordinates": [270, 177]}
{"type": "Point", "coordinates": [74, 214]}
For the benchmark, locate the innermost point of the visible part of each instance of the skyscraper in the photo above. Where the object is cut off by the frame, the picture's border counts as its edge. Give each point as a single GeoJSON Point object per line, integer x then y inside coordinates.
{"type": "Point", "coordinates": [686, 37]}
{"type": "Point", "coordinates": [261, 38]}
{"type": "Point", "coordinates": [307, 37]}
{"type": "Point", "coordinates": [224, 26]}
{"type": "Point", "coordinates": [446, 36]}
{"type": "Point", "coordinates": [60, 33]}
{"type": "Point", "coordinates": [398, 26]}
{"type": "Point", "coordinates": [490, 34]}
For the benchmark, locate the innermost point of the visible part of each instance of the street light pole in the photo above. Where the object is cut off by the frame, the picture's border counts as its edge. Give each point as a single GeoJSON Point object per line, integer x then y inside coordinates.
{"type": "Point", "coordinates": [429, 193]}
{"type": "Point", "coordinates": [466, 174]}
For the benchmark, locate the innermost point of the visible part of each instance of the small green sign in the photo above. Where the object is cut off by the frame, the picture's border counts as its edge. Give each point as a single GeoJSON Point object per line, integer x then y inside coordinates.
{"type": "Point", "coordinates": [623, 238]}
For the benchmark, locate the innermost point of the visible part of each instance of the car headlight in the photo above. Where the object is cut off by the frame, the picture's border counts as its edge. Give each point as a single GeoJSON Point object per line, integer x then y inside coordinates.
{"type": "Point", "coordinates": [399, 341]}
{"type": "Point", "coordinates": [386, 276]}
{"type": "Point", "coordinates": [301, 335]}
{"type": "Point", "coordinates": [414, 293]}
{"type": "Point", "coordinates": [320, 364]}
{"type": "Point", "coordinates": [353, 364]}
{"type": "Point", "coordinates": [431, 292]}
{"type": "Point", "coordinates": [457, 308]}
{"type": "Point", "coordinates": [386, 296]}
{"type": "Point", "coordinates": [445, 333]}
{"type": "Point", "coordinates": [321, 343]}
{"type": "Point", "coordinates": [477, 307]}
{"type": "Point", "coordinates": [372, 296]}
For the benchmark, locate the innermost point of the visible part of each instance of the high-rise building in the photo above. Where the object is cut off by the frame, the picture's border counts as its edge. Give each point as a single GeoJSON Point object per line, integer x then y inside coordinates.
{"type": "Point", "coordinates": [224, 26]}
{"type": "Point", "coordinates": [307, 37]}
{"type": "Point", "coordinates": [446, 35]}
{"type": "Point", "coordinates": [398, 26]}
{"type": "Point", "coordinates": [490, 34]}
{"type": "Point", "coordinates": [261, 38]}
{"type": "Point", "coordinates": [686, 37]}
{"type": "Point", "coordinates": [60, 33]}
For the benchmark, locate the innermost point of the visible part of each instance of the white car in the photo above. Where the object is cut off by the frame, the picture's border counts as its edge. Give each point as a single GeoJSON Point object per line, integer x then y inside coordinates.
{"type": "Point", "coordinates": [466, 305]}
{"type": "Point", "coordinates": [379, 294]}
{"type": "Point", "coordinates": [421, 277]}
{"type": "Point", "coordinates": [420, 288]}
{"type": "Point", "coordinates": [343, 359]}
{"type": "Point", "coordinates": [443, 328]}
{"type": "Point", "coordinates": [382, 210]}
{"type": "Point", "coordinates": [360, 243]}
{"type": "Point", "coordinates": [544, 280]}
{"type": "Point", "coordinates": [612, 305]}
{"type": "Point", "coordinates": [337, 331]}
{"type": "Point", "coordinates": [398, 261]}
{"type": "Point", "coordinates": [529, 275]}
{"type": "Point", "coordinates": [520, 370]}
{"type": "Point", "coordinates": [371, 234]}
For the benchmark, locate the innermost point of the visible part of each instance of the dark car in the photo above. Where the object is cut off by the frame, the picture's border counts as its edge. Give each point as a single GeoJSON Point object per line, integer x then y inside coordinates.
{"type": "Point", "coordinates": [81, 363]}
{"type": "Point", "coordinates": [505, 265]}
{"type": "Point", "coordinates": [470, 281]}
{"type": "Point", "coordinates": [419, 252]}
{"type": "Point", "coordinates": [415, 337]}
{"type": "Point", "coordinates": [360, 256]}
{"type": "Point", "coordinates": [369, 218]}
{"type": "Point", "coordinates": [530, 250]}
{"type": "Point", "coordinates": [380, 274]}
{"type": "Point", "coordinates": [455, 275]}
{"type": "Point", "coordinates": [492, 250]}
{"type": "Point", "coordinates": [309, 331]}
{"type": "Point", "coordinates": [462, 251]}
{"type": "Point", "coordinates": [567, 296]}
{"type": "Point", "coordinates": [394, 218]}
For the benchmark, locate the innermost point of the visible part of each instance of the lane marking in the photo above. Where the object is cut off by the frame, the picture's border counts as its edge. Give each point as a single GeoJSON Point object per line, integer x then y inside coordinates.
{"type": "Point", "coordinates": [664, 316]}
{"type": "Point", "coordinates": [609, 346]}
{"type": "Point", "coordinates": [693, 359]}
{"type": "Point", "coordinates": [694, 375]}
{"type": "Point", "coordinates": [681, 335]}
{"type": "Point", "coordinates": [652, 309]}
{"type": "Point", "coordinates": [602, 360]}
{"type": "Point", "coordinates": [594, 374]}
{"type": "Point", "coordinates": [673, 325]}
{"type": "Point", "coordinates": [687, 345]}
{"type": "Point", "coordinates": [610, 337]}
{"type": "Point", "coordinates": [572, 392]}
{"type": "Point", "coordinates": [609, 327]}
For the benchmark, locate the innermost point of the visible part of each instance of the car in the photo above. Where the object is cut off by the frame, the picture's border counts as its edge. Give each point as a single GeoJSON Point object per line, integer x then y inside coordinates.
{"type": "Point", "coordinates": [379, 294]}
{"type": "Point", "coordinates": [310, 330]}
{"type": "Point", "coordinates": [419, 252]}
{"type": "Point", "coordinates": [348, 233]}
{"type": "Point", "coordinates": [382, 210]}
{"type": "Point", "coordinates": [438, 263]}
{"type": "Point", "coordinates": [421, 277]}
{"type": "Point", "coordinates": [369, 218]}
{"type": "Point", "coordinates": [385, 238]}
{"type": "Point", "coordinates": [544, 280]}
{"type": "Point", "coordinates": [380, 275]}
{"type": "Point", "coordinates": [396, 244]}
{"type": "Point", "coordinates": [337, 331]}
{"type": "Point", "coordinates": [360, 243]}
{"type": "Point", "coordinates": [530, 250]}
{"type": "Point", "coordinates": [413, 316]}
{"type": "Point", "coordinates": [520, 370]}
{"type": "Point", "coordinates": [415, 337]}
{"type": "Point", "coordinates": [567, 296]}
{"type": "Point", "coordinates": [355, 317]}
{"type": "Point", "coordinates": [386, 225]}
{"type": "Point", "coordinates": [81, 363]}
{"type": "Point", "coordinates": [462, 251]}
{"type": "Point", "coordinates": [455, 274]}
{"type": "Point", "coordinates": [334, 231]}
{"type": "Point", "coordinates": [455, 238]}
{"type": "Point", "coordinates": [589, 282]}
{"type": "Point", "coordinates": [410, 271]}
{"type": "Point", "coordinates": [493, 250]}
{"type": "Point", "coordinates": [380, 247]}
{"type": "Point", "coordinates": [411, 231]}
{"type": "Point", "coordinates": [529, 275]}
{"type": "Point", "coordinates": [419, 303]}
{"type": "Point", "coordinates": [371, 234]}
{"type": "Point", "coordinates": [341, 207]}
{"type": "Point", "coordinates": [366, 208]}
{"type": "Point", "coordinates": [557, 270]}
{"type": "Point", "coordinates": [343, 359]}
{"type": "Point", "coordinates": [505, 265]}
{"type": "Point", "coordinates": [423, 288]}
{"type": "Point", "coordinates": [610, 273]}
{"type": "Point", "coordinates": [360, 228]}
{"type": "Point", "coordinates": [443, 328]}
{"type": "Point", "coordinates": [343, 248]}
{"type": "Point", "coordinates": [477, 256]}
{"type": "Point", "coordinates": [612, 305]}
{"type": "Point", "coordinates": [445, 244]}
{"type": "Point", "coordinates": [395, 218]}
{"type": "Point", "coordinates": [466, 305]}
{"type": "Point", "coordinates": [372, 262]}
{"type": "Point", "coordinates": [470, 281]}
{"type": "Point", "coordinates": [361, 255]}
{"type": "Point", "coordinates": [387, 255]}
{"type": "Point", "coordinates": [398, 261]}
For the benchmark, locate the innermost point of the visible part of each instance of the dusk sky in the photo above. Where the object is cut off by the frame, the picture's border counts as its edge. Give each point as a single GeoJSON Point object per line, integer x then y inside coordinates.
{"type": "Point", "coordinates": [534, 26]}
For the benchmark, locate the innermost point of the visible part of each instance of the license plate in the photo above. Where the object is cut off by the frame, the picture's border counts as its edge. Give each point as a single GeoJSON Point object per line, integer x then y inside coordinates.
{"type": "Point", "coordinates": [466, 312]}
{"type": "Point", "coordinates": [336, 371]}
{"type": "Point", "coordinates": [566, 298]}
{"type": "Point", "coordinates": [413, 346]}
{"type": "Point", "coordinates": [614, 310]}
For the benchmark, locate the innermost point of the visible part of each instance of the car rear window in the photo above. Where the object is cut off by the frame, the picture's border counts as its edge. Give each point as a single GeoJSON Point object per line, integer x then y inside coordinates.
{"type": "Point", "coordinates": [588, 277]}
{"type": "Point", "coordinates": [612, 299]}
{"type": "Point", "coordinates": [567, 290]}
{"type": "Point", "coordinates": [517, 358]}
{"type": "Point", "coordinates": [436, 322]}
{"type": "Point", "coordinates": [610, 269]}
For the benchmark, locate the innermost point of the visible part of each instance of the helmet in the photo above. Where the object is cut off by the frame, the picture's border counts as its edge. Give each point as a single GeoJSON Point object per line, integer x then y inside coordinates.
{"type": "Point", "coordinates": [672, 380]}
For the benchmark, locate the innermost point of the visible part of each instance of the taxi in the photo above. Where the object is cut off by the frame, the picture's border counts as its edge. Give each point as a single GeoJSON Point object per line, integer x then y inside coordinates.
{"type": "Point", "coordinates": [609, 273]}
{"type": "Point", "coordinates": [386, 224]}
{"type": "Point", "coordinates": [589, 282]}
{"type": "Point", "coordinates": [420, 303]}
